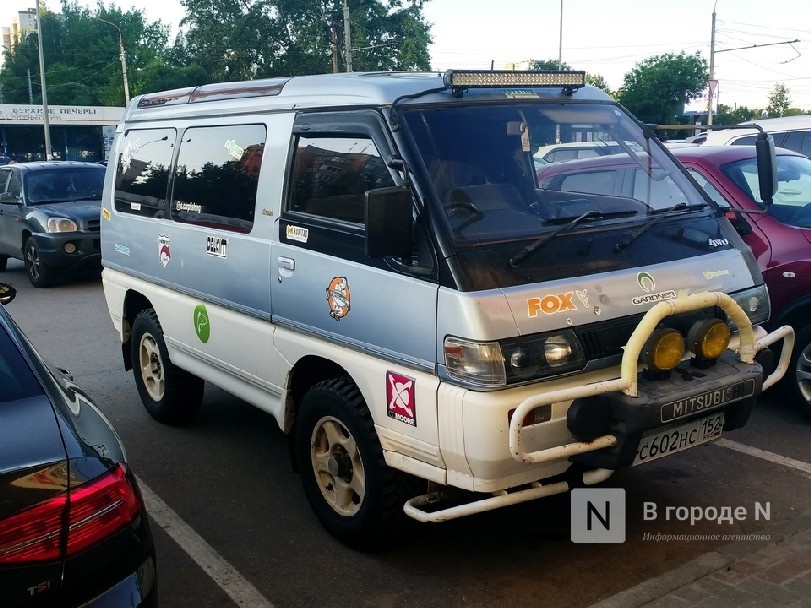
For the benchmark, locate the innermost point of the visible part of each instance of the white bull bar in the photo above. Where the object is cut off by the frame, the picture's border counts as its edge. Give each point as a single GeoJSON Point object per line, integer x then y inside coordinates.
{"type": "Point", "coordinates": [627, 382]}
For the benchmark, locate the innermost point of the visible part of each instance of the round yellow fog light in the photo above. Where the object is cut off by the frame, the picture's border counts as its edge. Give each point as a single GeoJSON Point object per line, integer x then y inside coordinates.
{"type": "Point", "coordinates": [663, 350]}
{"type": "Point", "coordinates": [709, 339]}
{"type": "Point", "coordinates": [70, 247]}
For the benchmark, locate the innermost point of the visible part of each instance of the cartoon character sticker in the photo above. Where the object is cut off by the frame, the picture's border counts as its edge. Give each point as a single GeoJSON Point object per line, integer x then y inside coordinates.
{"type": "Point", "coordinates": [338, 298]}
{"type": "Point", "coordinates": [400, 398]}
{"type": "Point", "coordinates": [164, 253]}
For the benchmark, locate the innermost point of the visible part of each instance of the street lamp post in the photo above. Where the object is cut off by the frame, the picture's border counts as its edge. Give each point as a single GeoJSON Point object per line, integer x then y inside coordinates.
{"type": "Point", "coordinates": [123, 57]}
{"type": "Point", "coordinates": [45, 116]}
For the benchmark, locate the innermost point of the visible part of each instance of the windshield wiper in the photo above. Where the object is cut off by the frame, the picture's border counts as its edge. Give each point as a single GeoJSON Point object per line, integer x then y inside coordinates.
{"type": "Point", "coordinates": [659, 214]}
{"type": "Point", "coordinates": [571, 223]}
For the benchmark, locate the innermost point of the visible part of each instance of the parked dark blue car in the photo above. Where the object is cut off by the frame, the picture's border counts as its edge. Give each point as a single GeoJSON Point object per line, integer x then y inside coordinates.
{"type": "Point", "coordinates": [49, 217]}
{"type": "Point", "coordinates": [73, 528]}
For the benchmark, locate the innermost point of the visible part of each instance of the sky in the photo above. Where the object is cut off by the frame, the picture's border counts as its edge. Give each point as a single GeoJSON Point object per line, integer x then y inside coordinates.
{"type": "Point", "coordinates": [754, 39]}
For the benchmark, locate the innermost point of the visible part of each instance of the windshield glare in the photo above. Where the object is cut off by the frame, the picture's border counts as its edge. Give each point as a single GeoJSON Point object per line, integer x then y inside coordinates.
{"type": "Point", "coordinates": [509, 171]}
{"type": "Point", "coordinates": [64, 185]}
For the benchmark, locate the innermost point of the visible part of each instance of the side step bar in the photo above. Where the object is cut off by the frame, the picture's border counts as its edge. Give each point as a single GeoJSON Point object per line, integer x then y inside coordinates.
{"type": "Point", "coordinates": [413, 508]}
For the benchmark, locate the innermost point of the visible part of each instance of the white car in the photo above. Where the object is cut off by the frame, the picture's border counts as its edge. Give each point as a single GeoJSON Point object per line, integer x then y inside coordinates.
{"type": "Point", "coordinates": [792, 132]}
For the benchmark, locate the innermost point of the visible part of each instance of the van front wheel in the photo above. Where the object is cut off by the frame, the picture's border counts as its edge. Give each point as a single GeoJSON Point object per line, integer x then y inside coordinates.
{"type": "Point", "coordinates": [170, 395]}
{"type": "Point", "coordinates": [351, 490]}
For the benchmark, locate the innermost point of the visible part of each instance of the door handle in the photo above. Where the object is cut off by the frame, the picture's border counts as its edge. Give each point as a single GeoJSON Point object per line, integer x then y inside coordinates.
{"type": "Point", "coordinates": [287, 263]}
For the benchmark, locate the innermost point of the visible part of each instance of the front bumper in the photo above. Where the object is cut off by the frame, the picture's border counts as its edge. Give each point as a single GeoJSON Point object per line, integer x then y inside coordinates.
{"type": "Point", "coordinates": [627, 409]}
{"type": "Point", "coordinates": [631, 412]}
{"type": "Point", "coordinates": [52, 249]}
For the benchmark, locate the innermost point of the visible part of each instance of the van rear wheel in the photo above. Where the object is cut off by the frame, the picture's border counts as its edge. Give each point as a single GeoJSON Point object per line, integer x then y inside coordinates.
{"type": "Point", "coordinates": [351, 490]}
{"type": "Point", "coordinates": [171, 395]}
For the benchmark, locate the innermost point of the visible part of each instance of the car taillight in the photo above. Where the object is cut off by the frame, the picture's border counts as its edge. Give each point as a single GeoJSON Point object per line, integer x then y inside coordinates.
{"type": "Point", "coordinates": [95, 510]}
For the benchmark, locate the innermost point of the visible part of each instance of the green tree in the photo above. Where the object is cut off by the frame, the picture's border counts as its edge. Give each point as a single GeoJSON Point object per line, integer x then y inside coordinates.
{"type": "Point", "coordinates": [779, 100]}
{"type": "Point", "coordinates": [657, 89]}
{"type": "Point", "coordinates": [552, 64]}
{"type": "Point", "coordinates": [239, 39]}
{"type": "Point", "coordinates": [82, 58]}
{"type": "Point", "coordinates": [548, 64]}
{"type": "Point", "coordinates": [727, 115]}
{"type": "Point", "coordinates": [599, 81]}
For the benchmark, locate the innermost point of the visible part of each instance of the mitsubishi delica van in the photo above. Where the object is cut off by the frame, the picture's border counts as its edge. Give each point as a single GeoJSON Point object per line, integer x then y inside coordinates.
{"type": "Point", "coordinates": [370, 258]}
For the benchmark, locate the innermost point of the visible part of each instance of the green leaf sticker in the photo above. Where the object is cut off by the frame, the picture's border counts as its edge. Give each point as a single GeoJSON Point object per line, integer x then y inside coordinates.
{"type": "Point", "coordinates": [201, 325]}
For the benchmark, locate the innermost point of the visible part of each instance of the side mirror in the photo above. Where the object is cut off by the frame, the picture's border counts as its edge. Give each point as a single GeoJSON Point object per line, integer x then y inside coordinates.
{"type": "Point", "coordinates": [389, 222]}
{"type": "Point", "coordinates": [766, 166]}
{"type": "Point", "coordinates": [8, 197]}
{"type": "Point", "coordinates": [7, 293]}
{"type": "Point", "coordinates": [737, 220]}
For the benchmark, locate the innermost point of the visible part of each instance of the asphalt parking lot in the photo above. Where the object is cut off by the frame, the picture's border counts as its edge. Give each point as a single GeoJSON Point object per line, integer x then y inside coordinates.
{"type": "Point", "coordinates": [234, 529]}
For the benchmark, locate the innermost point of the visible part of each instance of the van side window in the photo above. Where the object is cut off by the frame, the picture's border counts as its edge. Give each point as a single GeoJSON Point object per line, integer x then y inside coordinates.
{"type": "Point", "coordinates": [216, 176]}
{"type": "Point", "coordinates": [331, 176]}
{"type": "Point", "coordinates": [142, 171]}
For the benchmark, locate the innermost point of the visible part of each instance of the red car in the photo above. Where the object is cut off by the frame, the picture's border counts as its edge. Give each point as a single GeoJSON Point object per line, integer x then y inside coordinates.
{"type": "Point", "coordinates": [779, 234]}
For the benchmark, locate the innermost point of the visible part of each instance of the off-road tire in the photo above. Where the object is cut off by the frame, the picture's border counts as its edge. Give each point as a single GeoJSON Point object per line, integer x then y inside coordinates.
{"type": "Point", "coordinates": [335, 441]}
{"type": "Point", "coordinates": [171, 395]}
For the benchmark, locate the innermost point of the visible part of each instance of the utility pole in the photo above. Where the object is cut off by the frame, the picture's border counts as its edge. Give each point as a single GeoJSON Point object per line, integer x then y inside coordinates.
{"type": "Point", "coordinates": [348, 38]}
{"type": "Point", "coordinates": [560, 39]}
{"type": "Point", "coordinates": [122, 57]}
{"type": "Point", "coordinates": [710, 91]}
{"type": "Point", "coordinates": [45, 117]}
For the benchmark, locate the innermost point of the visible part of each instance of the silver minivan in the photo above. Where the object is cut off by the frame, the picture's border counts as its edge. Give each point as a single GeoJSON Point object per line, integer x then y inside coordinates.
{"type": "Point", "coordinates": [371, 259]}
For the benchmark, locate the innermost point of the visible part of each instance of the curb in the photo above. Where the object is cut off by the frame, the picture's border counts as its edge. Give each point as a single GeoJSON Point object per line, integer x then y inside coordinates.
{"type": "Point", "coordinates": [704, 565]}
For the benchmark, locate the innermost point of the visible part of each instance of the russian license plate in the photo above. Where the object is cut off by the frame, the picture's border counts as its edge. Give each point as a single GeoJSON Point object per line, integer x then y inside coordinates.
{"type": "Point", "coordinates": [679, 438]}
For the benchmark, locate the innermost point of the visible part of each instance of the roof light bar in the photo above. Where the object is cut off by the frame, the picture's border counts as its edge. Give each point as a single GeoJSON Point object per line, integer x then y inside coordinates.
{"type": "Point", "coordinates": [466, 79]}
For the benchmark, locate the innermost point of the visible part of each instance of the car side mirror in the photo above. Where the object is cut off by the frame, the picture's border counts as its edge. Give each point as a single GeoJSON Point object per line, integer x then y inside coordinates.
{"type": "Point", "coordinates": [7, 293]}
{"type": "Point", "coordinates": [389, 222]}
{"type": "Point", "coordinates": [8, 197]}
{"type": "Point", "coordinates": [766, 166]}
{"type": "Point", "coordinates": [738, 222]}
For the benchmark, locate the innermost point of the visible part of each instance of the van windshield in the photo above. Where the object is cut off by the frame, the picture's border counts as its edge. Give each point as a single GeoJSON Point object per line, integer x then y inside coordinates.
{"type": "Point", "coordinates": [513, 171]}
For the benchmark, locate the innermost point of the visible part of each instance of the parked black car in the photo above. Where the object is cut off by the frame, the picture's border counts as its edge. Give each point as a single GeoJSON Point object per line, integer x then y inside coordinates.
{"type": "Point", "coordinates": [73, 528]}
{"type": "Point", "coordinates": [49, 217]}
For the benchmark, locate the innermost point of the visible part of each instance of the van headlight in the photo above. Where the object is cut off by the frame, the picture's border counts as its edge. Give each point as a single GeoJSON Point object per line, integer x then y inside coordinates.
{"type": "Point", "coordinates": [512, 361]}
{"type": "Point", "coordinates": [754, 302]}
{"type": "Point", "coordinates": [61, 224]}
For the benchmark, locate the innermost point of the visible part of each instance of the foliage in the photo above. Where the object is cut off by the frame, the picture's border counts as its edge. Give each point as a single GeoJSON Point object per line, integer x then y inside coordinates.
{"type": "Point", "coordinates": [779, 101]}
{"type": "Point", "coordinates": [727, 115]}
{"type": "Point", "coordinates": [552, 64]}
{"type": "Point", "coordinates": [657, 89]}
{"type": "Point", "coordinates": [598, 81]}
{"type": "Point", "coordinates": [223, 40]}
{"type": "Point", "coordinates": [241, 39]}
{"type": "Point", "coordinates": [82, 57]}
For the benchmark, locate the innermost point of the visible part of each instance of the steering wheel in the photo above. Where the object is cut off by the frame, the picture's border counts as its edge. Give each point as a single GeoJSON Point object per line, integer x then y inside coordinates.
{"type": "Point", "coordinates": [461, 205]}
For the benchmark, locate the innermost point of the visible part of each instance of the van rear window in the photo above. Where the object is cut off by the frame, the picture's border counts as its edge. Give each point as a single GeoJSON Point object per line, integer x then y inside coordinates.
{"type": "Point", "coordinates": [142, 171]}
{"type": "Point", "coordinates": [217, 175]}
